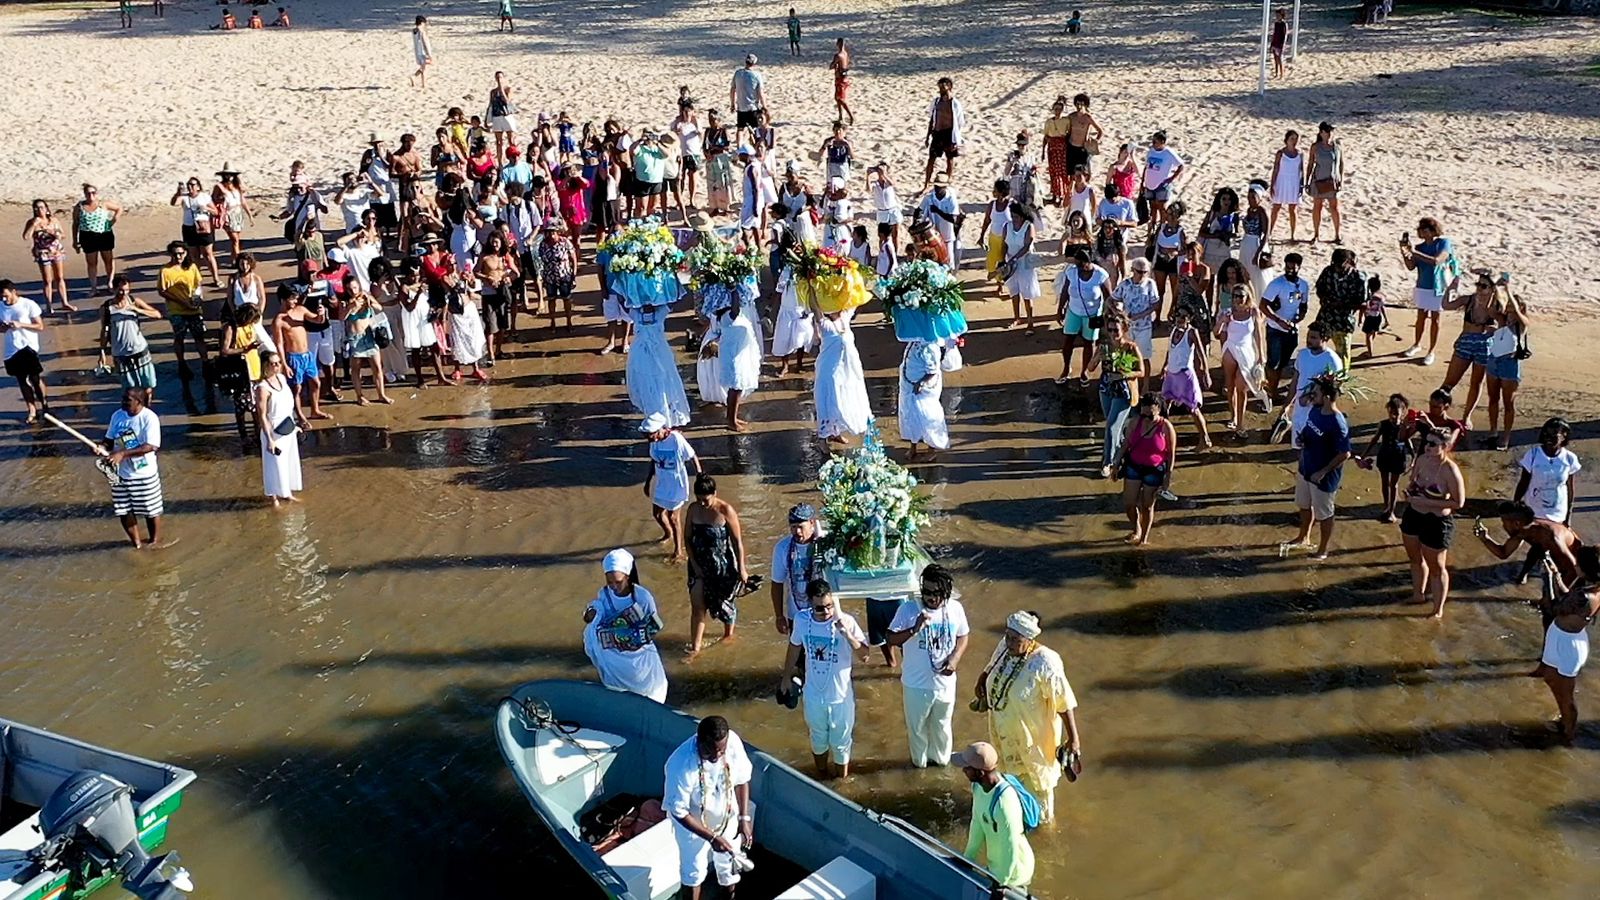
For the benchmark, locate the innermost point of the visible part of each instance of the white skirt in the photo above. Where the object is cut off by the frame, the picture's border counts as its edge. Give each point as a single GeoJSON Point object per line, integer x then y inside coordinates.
{"type": "Point", "coordinates": [922, 415]}
{"type": "Point", "coordinates": [708, 374]}
{"type": "Point", "coordinates": [654, 385]}
{"type": "Point", "coordinates": [466, 336]}
{"type": "Point", "coordinates": [840, 393]}
{"type": "Point", "coordinates": [1024, 282]}
{"type": "Point", "coordinates": [1564, 651]}
{"type": "Point", "coordinates": [504, 123]}
{"type": "Point", "coordinates": [1286, 190]}
{"type": "Point", "coordinates": [795, 329]}
{"type": "Point", "coordinates": [280, 474]}
{"type": "Point", "coordinates": [740, 360]}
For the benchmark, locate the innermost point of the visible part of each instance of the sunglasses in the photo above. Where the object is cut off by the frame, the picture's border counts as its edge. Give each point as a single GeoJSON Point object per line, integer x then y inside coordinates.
{"type": "Point", "coordinates": [822, 609]}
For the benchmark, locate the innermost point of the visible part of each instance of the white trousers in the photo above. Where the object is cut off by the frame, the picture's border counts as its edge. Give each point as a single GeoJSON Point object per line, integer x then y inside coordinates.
{"type": "Point", "coordinates": [695, 853]}
{"type": "Point", "coordinates": [832, 726]}
{"type": "Point", "coordinates": [928, 727]}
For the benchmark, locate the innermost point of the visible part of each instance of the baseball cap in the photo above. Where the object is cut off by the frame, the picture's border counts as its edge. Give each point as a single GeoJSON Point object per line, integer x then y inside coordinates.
{"type": "Point", "coordinates": [980, 756]}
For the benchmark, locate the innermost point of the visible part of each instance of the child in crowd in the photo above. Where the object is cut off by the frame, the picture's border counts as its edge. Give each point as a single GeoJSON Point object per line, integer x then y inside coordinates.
{"type": "Point", "coordinates": [1393, 456]}
{"type": "Point", "coordinates": [1374, 320]}
{"type": "Point", "coordinates": [1075, 24]}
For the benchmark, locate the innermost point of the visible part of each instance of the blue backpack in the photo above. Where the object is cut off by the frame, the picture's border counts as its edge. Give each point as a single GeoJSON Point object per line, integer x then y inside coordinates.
{"type": "Point", "coordinates": [1032, 812]}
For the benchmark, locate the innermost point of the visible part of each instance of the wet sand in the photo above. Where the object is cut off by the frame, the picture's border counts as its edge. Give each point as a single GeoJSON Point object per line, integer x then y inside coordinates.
{"type": "Point", "coordinates": [1252, 726]}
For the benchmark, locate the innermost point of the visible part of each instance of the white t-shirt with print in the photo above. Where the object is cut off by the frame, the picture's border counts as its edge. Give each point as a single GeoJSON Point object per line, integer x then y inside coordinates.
{"type": "Point", "coordinates": [828, 656]}
{"type": "Point", "coordinates": [127, 432]}
{"type": "Point", "coordinates": [1547, 482]}
{"type": "Point", "coordinates": [1159, 166]}
{"type": "Point", "coordinates": [1291, 294]}
{"type": "Point", "coordinates": [929, 649]}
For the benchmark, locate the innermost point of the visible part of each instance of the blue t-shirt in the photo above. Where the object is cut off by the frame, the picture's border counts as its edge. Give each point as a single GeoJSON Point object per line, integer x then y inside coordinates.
{"type": "Point", "coordinates": [1324, 437]}
{"type": "Point", "coordinates": [1427, 275]}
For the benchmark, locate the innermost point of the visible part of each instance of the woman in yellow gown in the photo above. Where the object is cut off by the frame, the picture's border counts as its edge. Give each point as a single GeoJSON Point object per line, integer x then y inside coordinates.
{"type": "Point", "coordinates": [1030, 704]}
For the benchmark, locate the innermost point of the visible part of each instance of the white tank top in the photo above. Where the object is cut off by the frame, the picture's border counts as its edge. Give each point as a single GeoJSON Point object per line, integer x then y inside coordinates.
{"type": "Point", "coordinates": [1080, 203]}
{"type": "Point", "coordinates": [244, 293]}
{"type": "Point", "coordinates": [1240, 333]}
{"type": "Point", "coordinates": [998, 217]}
{"type": "Point", "coordinates": [1182, 355]}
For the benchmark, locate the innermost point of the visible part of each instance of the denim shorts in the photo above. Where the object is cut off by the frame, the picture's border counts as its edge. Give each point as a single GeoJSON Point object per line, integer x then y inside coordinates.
{"type": "Point", "coordinates": [1505, 368]}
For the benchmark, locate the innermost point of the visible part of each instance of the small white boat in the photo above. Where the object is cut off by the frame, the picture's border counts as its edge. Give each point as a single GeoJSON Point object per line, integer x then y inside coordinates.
{"type": "Point", "coordinates": [75, 817]}
{"type": "Point", "coordinates": [572, 745]}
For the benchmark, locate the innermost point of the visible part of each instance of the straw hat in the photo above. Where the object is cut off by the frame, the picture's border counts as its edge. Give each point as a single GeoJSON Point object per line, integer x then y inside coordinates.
{"type": "Point", "coordinates": [227, 169]}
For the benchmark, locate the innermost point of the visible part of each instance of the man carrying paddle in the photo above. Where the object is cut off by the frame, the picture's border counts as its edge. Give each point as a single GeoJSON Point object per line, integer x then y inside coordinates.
{"type": "Point", "coordinates": [132, 439]}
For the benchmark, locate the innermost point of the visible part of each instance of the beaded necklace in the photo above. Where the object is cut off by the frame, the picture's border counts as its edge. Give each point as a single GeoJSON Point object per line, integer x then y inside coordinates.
{"type": "Point", "coordinates": [1011, 667]}
{"type": "Point", "coordinates": [727, 785]}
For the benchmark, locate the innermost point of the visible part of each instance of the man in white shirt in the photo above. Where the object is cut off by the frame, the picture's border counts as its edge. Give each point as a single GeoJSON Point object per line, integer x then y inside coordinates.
{"type": "Point", "coordinates": [794, 564]}
{"type": "Point", "coordinates": [355, 197]}
{"type": "Point", "coordinates": [1161, 168]}
{"type": "Point", "coordinates": [132, 439]}
{"type": "Point", "coordinates": [1284, 303]}
{"type": "Point", "coordinates": [21, 320]}
{"type": "Point", "coordinates": [748, 97]}
{"type": "Point", "coordinates": [941, 207]}
{"type": "Point", "coordinates": [1081, 295]}
{"type": "Point", "coordinates": [934, 634]}
{"type": "Point", "coordinates": [1314, 360]}
{"type": "Point", "coordinates": [823, 642]}
{"type": "Point", "coordinates": [707, 794]}
{"type": "Point", "coordinates": [1118, 208]}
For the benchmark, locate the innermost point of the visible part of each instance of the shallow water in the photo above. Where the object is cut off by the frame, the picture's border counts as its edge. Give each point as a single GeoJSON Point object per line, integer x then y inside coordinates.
{"type": "Point", "coordinates": [1253, 726]}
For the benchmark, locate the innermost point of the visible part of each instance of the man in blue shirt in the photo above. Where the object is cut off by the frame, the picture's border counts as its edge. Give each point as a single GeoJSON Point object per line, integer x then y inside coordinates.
{"type": "Point", "coordinates": [1324, 447]}
{"type": "Point", "coordinates": [517, 170]}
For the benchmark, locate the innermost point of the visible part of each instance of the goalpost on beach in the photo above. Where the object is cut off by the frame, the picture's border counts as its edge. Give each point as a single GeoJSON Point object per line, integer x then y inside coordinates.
{"type": "Point", "coordinates": [1266, 39]}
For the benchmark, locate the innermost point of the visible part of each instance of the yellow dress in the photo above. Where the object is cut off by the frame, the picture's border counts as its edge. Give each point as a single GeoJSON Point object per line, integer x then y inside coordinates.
{"type": "Point", "coordinates": [252, 359]}
{"type": "Point", "coordinates": [1025, 717]}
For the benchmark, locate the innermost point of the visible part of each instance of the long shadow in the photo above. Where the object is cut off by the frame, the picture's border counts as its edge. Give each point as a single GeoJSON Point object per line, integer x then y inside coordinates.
{"type": "Point", "coordinates": [1576, 814]}
{"type": "Point", "coordinates": [496, 655]}
{"type": "Point", "coordinates": [1232, 680]}
{"type": "Point", "coordinates": [1466, 737]}
{"type": "Point", "coordinates": [420, 806]}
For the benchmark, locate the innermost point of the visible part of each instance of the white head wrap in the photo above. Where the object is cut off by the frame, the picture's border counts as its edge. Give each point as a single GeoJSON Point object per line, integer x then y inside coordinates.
{"type": "Point", "coordinates": [620, 560]}
{"type": "Point", "coordinates": [1024, 624]}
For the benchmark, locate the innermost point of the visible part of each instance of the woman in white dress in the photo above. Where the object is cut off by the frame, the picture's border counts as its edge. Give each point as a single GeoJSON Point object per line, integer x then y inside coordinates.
{"type": "Point", "coordinates": [1022, 277]}
{"type": "Point", "coordinates": [840, 394]}
{"type": "Point", "coordinates": [794, 332]}
{"type": "Point", "coordinates": [667, 485]}
{"type": "Point", "coordinates": [467, 342]}
{"type": "Point", "coordinates": [739, 359]}
{"type": "Point", "coordinates": [921, 412]}
{"type": "Point", "coordinates": [418, 337]}
{"type": "Point", "coordinates": [1288, 180]}
{"type": "Point", "coordinates": [422, 51]}
{"type": "Point", "coordinates": [654, 385]}
{"type": "Point", "coordinates": [620, 627]}
{"type": "Point", "coordinates": [1243, 348]}
{"type": "Point", "coordinates": [278, 419]}
{"type": "Point", "coordinates": [708, 367]}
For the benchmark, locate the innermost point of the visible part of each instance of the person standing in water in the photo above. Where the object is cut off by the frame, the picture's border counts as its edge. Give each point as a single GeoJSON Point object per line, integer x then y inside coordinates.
{"type": "Point", "coordinates": [997, 834]}
{"type": "Point", "coordinates": [1566, 642]}
{"type": "Point", "coordinates": [822, 644]}
{"type": "Point", "coordinates": [1436, 491]}
{"type": "Point", "coordinates": [21, 321]}
{"type": "Point", "coordinates": [795, 562]}
{"type": "Point", "coordinates": [132, 439]}
{"type": "Point", "coordinates": [422, 51]}
{"type": "Point", "coordinates": [1324, 447]}
{"type": "Point", "coordinates": [667, 485]}
{"type": "Point", "coordinates": [620, 627]}
{"type": "Point", "coordinates": [934, 632]}
{"type": "Point", "coordinates": [707, 794]}
{"type": "Point", "coordinates": [717, 573]}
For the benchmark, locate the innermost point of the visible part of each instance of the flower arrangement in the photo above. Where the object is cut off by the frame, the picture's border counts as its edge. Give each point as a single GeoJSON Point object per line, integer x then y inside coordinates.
{"type": "Point", "coordinates": [720, 270]}
{"type": "Point", "coordinates": [646, 246]}
{"type": "Point", "coordinates": [828, 280]}
{"type": "Point", "coordinates": [643, 261]}
{"type": "Point", "coordinates": [1124, 361]}
{"type": "Point", "coordinates": [871, 508]}
{"type": "Point", "coordinates": [923, 300]}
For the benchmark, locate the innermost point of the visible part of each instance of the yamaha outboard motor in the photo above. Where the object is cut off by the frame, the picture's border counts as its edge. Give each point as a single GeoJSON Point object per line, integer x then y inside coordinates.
{"type": "Point", "coordinates": [89, 827]}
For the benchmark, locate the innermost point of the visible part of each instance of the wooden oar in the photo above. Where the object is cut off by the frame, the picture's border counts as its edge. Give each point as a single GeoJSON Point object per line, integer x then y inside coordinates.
{"type": "Point", "coordinates": [100, 461]}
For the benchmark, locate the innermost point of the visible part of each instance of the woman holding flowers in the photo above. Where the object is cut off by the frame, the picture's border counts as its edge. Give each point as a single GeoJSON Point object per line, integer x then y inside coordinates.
{"type": "Point", "coordinates": [921, 413]}
{"type": "Point", "coordinates": [840, 393]}
{"type": "Point", "coordinates": [1121, 366]}
{"type": "Point", "coordinates": [1024, 690]}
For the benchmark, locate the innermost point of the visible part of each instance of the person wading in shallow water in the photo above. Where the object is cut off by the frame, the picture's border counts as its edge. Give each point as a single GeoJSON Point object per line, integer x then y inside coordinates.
{"type": "Point", "coordinates": [1566, 641]}
{"type": "Point", "coordinates": [717, 573]}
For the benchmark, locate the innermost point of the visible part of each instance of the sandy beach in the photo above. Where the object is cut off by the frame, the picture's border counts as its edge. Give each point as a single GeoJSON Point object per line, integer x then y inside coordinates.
{"type": "Point", "coordinates": [1254, 726]}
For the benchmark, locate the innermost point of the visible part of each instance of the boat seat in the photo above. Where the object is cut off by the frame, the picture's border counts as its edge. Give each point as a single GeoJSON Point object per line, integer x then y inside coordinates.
{"type": "Point", "coordinates": [559, 757]}
{"type": "Point", "coordinates": [25, 835]}
{"type": "Point", "coordinates": [840, 879]}
{"type": "Point", "coordinates": [648, 864]}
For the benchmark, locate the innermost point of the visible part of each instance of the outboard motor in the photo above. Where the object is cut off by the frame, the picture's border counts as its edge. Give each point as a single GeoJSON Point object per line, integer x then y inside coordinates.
{"type": "Point", "coordinates": [89, 827]}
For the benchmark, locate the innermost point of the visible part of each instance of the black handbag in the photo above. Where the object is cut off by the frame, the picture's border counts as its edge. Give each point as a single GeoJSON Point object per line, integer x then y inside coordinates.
{"type": "Point", "coordinates": [284, 428]}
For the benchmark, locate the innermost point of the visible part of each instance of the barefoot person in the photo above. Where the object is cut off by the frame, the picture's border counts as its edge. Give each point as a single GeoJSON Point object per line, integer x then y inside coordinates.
{"type": "Point", "coordinates": [717, 573]}
{"type": "Point", "coordinates": [1566, 641]}
{"type": "Point", "coordinates": [1436, 491]}
{"type": "Point", "coordinates": [795, 562]}
{"type": "Point", "coordinates": [44, 234]}
{"type": "Point", "coordinates": [822, 644]}
{"type": "Point", "coordinates": [1031, 708]}
{"type": "Point", "coordinates": [620, 628]}
{"type": "Point", "coordinates": [291, 332]}
{"type": "Point", "coordinates": [947, 121]}
{"type": "Point", "coordinates": [707, 794]}
{"type": "Point", "coordinates": [1324, 447]}
{"type": "Point", "coordinates": [1433, 259]}
{"type": "Point", "coordinates": [132, 439]}
{"type": "Point", "coordinates": [21, 321]}
{"type": "Point", "coordinates": [667, 484]}
{"type": "Point", "coordinates": [93, 221]}
{"type": "Point", "coordinates": [840, 65]}
{"type": "Point", "coordinates": [934, 633]}
{"type": "Point", "coordinates": [421, 51]}
{"type": "Point", "coordinates": [279, 420]}
{"type": "Point", "coordinates": [178, 283]}
{"type": "Point", "coordinates": [1149, 445]}
{"type": "Point", "coordinates": [921, 412]}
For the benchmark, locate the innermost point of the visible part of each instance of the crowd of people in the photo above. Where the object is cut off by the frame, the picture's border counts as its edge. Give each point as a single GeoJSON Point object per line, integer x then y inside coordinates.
{"type": "Point", "coordinates": [413, 258]}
